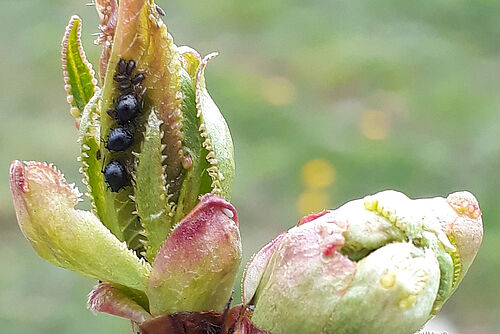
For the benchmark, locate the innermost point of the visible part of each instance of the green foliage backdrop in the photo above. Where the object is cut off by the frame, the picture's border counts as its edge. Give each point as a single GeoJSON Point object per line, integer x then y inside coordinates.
{"type": "Point", "coordinates": [386, 93]}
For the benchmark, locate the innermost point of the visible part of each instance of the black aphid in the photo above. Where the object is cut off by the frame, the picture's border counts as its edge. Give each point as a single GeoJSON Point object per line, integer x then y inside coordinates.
{"type": "Point", "coordinates": [120, 139]}
{"type": "Point", "coordinates": [128, 104]}
{"type": "Point", "coordinates": [116, 176]}
{"type": "Point", "coordinates": [127, 108]}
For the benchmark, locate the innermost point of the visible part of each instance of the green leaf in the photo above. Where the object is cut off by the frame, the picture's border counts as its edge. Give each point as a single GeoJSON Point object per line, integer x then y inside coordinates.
{"type": "Point", "coordinates": [194, 153]}
{"type": "Point", "coordinates": [207, 141]}
{"type": "Point", "coordinates": [217, 140]}
{"type": "Point", "coordinates": [79, 80]}
{"type": "Point", "coordinates": [151, 196]}
{"type": "Point", "coordinates": [190, 60]}
{"type": "Point", "coordinates": [446, 268]}
{"type": "Point", "coordinates": [142, 37]}
{"type": "Point", "coordinates": [70, 238]}
{"type": "Point", "coordinates": [92, 165]}
{"type": "Point", "coordinates": [90, 155]}
{"type": "Point", "coordinates": [185, 153]}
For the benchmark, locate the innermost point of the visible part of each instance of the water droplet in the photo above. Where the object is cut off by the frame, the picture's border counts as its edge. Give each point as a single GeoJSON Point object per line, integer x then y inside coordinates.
{"type": "Point", "coordinates": [228, 212]}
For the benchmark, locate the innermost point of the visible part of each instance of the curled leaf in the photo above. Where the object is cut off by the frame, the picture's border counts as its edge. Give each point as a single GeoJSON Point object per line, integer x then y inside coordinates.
{"type": "Point", "coordinates": [151, 196]}
{"type": "Point", "coordinates": [255, 269]}
{"type": "Point", "coordinates": [79, 80]}
{"type": "Point", "coordinates": [195, 268]}
{"type": "Point", "coordinates": [90, 157]}
{"type": "Point", "coordinates": [106, 298]}
{"type": "Point", "coordinates": [69, 238]}
{"type": "Point", "coordinates": [207, 143]}
{"type": "Point", "coordinates": [188, 150]}
{"type": "Point", "coordinates": [190, 60]}
{"type": "Point", "coordinates": [217, 138]}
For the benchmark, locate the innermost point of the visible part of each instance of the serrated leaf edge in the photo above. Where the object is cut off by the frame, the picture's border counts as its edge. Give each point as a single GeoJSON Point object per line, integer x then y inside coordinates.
{"type": "Point", "coordinates": [75, 19]}
{"type": "Point", "coordinates": [213, 170]}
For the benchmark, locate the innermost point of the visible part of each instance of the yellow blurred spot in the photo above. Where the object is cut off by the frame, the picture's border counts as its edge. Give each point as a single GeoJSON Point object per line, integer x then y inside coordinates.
{"type": "Point", "coordinates": [278, 91]}
{"type": "Point", "coordinates": [313, 200]}
{"type": "Point", "coordinates": [375, 124]}
{"type": "Point", "coordinates": [318, 173]}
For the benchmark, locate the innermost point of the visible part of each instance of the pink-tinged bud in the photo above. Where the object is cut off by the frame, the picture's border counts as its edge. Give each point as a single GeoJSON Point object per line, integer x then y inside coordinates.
{"type": "Point", "coordinates": [304, 279]}
{"type": "Point", "coordinates": [106, 298]}
{"type": "Point", "coordinates": [195, 268]}
{"type": "Point", "coordinates": [382, 264]}
{"type": "Point", "coordinates": [69, 238]}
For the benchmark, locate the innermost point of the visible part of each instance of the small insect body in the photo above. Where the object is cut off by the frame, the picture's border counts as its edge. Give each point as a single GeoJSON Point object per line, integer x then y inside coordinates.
{"type": "Point", "coordinates": [120, 139]}
{"type": "Point", "coordinates": [116, 176]}
{"type": "Point", "coordinates": [127, 109]}
{"type": "Point", "coordinates": [126, 82]}
{"type": "Point", "coordinates": [128, 104]}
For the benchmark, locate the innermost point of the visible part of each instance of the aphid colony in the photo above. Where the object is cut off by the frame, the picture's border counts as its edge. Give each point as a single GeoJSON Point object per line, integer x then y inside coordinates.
{"type": "Point", "coordinates": [127, 108]}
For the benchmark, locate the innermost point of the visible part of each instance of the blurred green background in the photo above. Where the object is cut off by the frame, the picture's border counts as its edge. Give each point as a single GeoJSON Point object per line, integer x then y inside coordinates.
{"type": "Point", "coordinates": [368, 95]}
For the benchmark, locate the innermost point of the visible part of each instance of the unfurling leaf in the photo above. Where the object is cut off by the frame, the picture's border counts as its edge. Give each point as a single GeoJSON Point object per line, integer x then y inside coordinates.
{"type": "Point", "coordinates": [80, 83]}
{"type": "Point", "coordinates": [106, 298]}
{"type": "Point", "coordinates": [69, 238]}
{"type": "Point", "coordinates": [196, 267]}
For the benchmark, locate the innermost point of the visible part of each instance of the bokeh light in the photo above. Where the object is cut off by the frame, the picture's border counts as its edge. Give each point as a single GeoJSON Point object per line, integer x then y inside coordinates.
{"type": "Point", "coordinates": [278, 91]}
{"type": "Point", "coordinates": [312, 201]}
{"type": "Point", "coordinates": [318, 173]}
{"type": "Point", "coordinates": [375, 124]}
{"type": "Point", "coordinates": [317, 176]}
